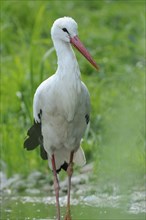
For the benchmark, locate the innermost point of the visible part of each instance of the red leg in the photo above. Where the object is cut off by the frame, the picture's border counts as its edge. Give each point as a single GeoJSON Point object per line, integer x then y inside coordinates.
{"type": "Point", "coordinates": [56, 187]}
{"type": "Point", "coordinates": [70, 172]}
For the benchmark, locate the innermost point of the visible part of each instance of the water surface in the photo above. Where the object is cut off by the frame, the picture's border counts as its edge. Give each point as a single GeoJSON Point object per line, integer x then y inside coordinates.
{"type": "Point", "coordinates": [43, 208]}
{"type": "Point", "coordinates": [33, 198]}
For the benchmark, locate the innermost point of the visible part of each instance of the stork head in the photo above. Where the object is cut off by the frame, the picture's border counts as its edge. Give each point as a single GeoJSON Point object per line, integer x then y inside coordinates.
{"type": "Point", "coordinates": [66, 29]}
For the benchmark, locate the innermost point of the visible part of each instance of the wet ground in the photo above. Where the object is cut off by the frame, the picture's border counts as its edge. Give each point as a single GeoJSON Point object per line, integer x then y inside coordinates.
{"type": "Point", "coordinates": [33, 198]}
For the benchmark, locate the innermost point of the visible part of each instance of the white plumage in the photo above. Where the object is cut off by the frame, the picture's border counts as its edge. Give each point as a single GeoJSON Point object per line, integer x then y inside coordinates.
{"type": "Point", "coordinates": [64, 101]}
{"type": "Point", "coordinates": [61, 108]}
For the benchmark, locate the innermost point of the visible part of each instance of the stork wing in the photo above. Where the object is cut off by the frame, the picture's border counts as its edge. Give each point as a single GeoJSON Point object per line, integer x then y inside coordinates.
{"type": "Point", "coordinates": [35, 139]}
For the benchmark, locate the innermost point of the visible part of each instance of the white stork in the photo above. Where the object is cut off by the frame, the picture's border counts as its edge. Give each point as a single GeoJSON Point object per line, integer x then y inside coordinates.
{"type": "Point", "coordinates": [61, 108]}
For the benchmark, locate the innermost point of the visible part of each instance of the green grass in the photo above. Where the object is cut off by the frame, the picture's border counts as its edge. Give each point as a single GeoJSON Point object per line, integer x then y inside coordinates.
{"type": "Point", "coordinates": [113, 31]}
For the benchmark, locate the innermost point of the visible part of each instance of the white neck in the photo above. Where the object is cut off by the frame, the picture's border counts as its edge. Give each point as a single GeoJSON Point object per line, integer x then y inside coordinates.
{"type": "Point", "coordinates": [67, 63]}
{"type": "Point", "coordinates": [68, 76]}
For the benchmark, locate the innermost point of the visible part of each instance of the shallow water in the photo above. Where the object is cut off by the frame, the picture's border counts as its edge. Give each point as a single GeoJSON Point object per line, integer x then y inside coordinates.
{"type": "Point", "coordinates": [22, 199]}
{"type": "Point", "coordinates": [43, 208]}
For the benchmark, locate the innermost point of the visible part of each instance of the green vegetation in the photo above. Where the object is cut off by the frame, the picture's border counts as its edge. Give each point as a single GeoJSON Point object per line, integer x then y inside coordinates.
{"type": "Point", "coordinates": [113, 31]}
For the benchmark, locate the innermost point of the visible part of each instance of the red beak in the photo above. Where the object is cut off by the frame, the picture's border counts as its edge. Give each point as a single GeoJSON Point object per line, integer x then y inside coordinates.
{"type": "Point", "coordinates": [75, 41]}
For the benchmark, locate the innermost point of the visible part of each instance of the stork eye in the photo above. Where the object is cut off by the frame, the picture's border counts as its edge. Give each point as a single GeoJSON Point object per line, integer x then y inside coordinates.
{"type": "Point", "coordinates": [65, 30]}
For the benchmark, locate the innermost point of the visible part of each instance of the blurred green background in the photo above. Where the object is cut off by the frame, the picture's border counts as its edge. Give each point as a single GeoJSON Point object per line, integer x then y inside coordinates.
{"type": "Point", "coordinates": [113, 32]}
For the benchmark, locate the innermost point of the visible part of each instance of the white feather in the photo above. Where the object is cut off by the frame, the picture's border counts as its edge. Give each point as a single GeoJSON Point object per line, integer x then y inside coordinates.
{"type": "Point", "coordinates": [64, 102]}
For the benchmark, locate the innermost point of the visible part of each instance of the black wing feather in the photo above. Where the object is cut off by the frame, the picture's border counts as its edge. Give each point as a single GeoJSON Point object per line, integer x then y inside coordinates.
{"type": "Point", "coordinates": [87, 117]}
{"type": "Point", "coordinates": [34, 134]}
{"type": "Point", "coordinates": [35, 139]}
